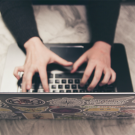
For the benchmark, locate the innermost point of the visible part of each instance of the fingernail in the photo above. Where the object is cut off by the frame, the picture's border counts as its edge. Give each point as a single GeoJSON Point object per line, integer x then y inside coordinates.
{"type": "Point", "coordinates": [28, 87]}
{"type": "Point", "coordinates": [81, 85]}
{"type": "Point", "coordinates": [71, 71]}
{"type": "Point", "coordinates": [100, 84]}
{"type": "Point", "coordinates": [46, 91]}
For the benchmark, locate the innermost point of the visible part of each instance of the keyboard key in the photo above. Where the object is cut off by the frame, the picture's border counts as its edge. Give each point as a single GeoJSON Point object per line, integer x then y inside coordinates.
{"type": "Point", "coordinates": [96, 88]}
{"type": "Point", "coordinates": [101, 87]}
{"type": "Point", "coordinates": [79, 87]}
{"type": "Point", "coordinates": [20, 85]}
{"type": "Point", "coordinates": [102, 90]}
{"type": "Point", "coordinates": [77, 81]}
{"type": "Point", "coordinates": [50, 81]}
{"type": "Point", "coordinates": [33, 86]}
{"type": "Point", "coordinates": [64, 81]}
{"type": "Point", "coordinates": [68, 75]}
{"type": "Point", "coordinates": [74, 86]}
{"type": "Point", "coordinates": [55, 91]}
{"type": "Point", "coordinates": [75, 91]}
{"type": "Point", "coordinates": [61, 91]}
{"type": "Point", "coordinates": [70, 80]}
{"type": "Point", "coordinates": [111, 90]}
{"type": "Point", "coordinates": [53, 87]}
{"type": "Point", "coordinates": [89, 91]}
{"type": "Point", "coordinates": [57, 81]}
{"type": "Point", "coordinates": [40, 86]}
{"type": "Point", "coordinates": [68, 91]}
{"type": "Point", "coordinates": [110, 86]}
{"type": "Point", "coordinates": [31, 90]}
{"type": "Point", "coordinates": [67, 86]}
{"type": "Point", "coordinates": [95, 91]}
{"type": "Point", "coordinates": [40, 90]}
{"type": "Point", "coordinates": [82, 90]}
{"type": "Point", "coordinates": [50, 75]}
{"type": "Point", "coordinates": [60, 86]}
{"type": "Point", "coordinates": [36, 78]}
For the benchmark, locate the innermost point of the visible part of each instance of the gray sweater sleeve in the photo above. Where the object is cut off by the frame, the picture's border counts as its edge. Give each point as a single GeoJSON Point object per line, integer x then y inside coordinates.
{"type": "Point", "coordinates": [19, 18]}
{"type": "Point", "coordinates": [102, 17]}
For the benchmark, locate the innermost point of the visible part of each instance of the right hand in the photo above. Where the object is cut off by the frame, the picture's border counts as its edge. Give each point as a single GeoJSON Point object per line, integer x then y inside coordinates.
{"type": "Point", "coordinates": [37, 58]}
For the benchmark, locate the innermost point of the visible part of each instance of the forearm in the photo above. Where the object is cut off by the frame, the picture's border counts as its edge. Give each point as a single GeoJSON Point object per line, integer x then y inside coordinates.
{"type": "Point", "coordinates": [19, 17]}
{"type": "Point", "coordinates": [102, 17]}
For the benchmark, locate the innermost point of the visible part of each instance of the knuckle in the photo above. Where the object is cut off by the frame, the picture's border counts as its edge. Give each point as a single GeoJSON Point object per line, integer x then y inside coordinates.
{"type": "Point", "coordinates": [92, 61]}
{"type": "Point", "coordinates": [28, 80]}
{"type": "Point", "coordinates": [32, 68]}
{"type": "Point", "coordinates": [86, 75]}
{"type": "Point", "coordinates": [16, 68]}
{"type": "Point", "coordinates": [43, 78]}
{"type": "Point", "coordinates": [114, 74]}
{"type": "Point", "coordinates": [108, 70]}
{"type": "Point", "coordinates": [25, 68]}
{"type": "Point", "coordinates": [97, 77]}
{"type": "Point", "coordinates": [14, 73]}
{"type": "Point", "coordinates": [24, 76]}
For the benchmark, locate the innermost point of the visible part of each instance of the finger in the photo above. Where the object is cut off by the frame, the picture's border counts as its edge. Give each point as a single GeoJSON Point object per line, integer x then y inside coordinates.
{"type": "Point", "coordinates": [16, 70]}
{"type": "Point", "coordinates": [107, 75]}
{"type": "Point", "coordinates": [27, 79]}
{"type": "Point", "coordinates": [87, 73]}
{"type": "Point", "coordinates": [96, 79]}
{"type": "Point", "coordinates": [78, 63]}
{"type": "Point", "coordinates": [113, 77]}
{"type": "Point", "coordinates": [44, 79]}
{"type": "Point", "coordinates": [61, 61]}
{"type": "Point", "coordinates": [24, 82]}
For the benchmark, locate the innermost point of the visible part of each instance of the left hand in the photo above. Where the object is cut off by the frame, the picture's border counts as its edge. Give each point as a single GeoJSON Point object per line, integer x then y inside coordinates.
{"type": "Point", "coordinates": [98, 58]}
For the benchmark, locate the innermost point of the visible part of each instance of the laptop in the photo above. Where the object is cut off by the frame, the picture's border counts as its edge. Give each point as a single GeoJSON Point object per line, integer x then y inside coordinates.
{"type": "Point", "coordinates": [66, 99]}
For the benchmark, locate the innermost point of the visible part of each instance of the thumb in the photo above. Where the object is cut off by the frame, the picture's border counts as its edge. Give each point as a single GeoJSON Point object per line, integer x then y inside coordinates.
{"type": "Point", "coordinates": [78, 63]}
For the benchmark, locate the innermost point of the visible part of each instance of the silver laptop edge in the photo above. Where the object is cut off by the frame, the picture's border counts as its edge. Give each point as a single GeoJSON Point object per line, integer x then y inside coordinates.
{"type": "Point", "coordinates": [15, 57]}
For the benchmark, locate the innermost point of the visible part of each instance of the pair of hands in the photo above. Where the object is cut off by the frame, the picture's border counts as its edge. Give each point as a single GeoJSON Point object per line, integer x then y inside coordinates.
{"type": "Point", "coordinates": [38, 57]}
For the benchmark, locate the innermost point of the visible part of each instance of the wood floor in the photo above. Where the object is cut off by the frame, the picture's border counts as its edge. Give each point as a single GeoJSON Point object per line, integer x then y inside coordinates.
{"type": "Point", "coordinates": [67, 127]}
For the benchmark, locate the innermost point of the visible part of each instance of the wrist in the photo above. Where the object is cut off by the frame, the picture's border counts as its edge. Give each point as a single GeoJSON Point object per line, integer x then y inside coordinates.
{"type": "Point", "coordinates": [103, 46]}
{"type": "Point", "coordinates": [32, 42]}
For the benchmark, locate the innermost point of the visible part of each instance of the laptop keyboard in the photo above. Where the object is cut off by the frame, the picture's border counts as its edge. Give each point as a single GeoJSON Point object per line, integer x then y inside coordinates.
{"type": "Point", "coordinates": [66, 83]}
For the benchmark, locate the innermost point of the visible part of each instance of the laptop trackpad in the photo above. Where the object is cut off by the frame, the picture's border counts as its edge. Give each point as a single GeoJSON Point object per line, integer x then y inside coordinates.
{"type": "Point", "coordinates": [68, 53]}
